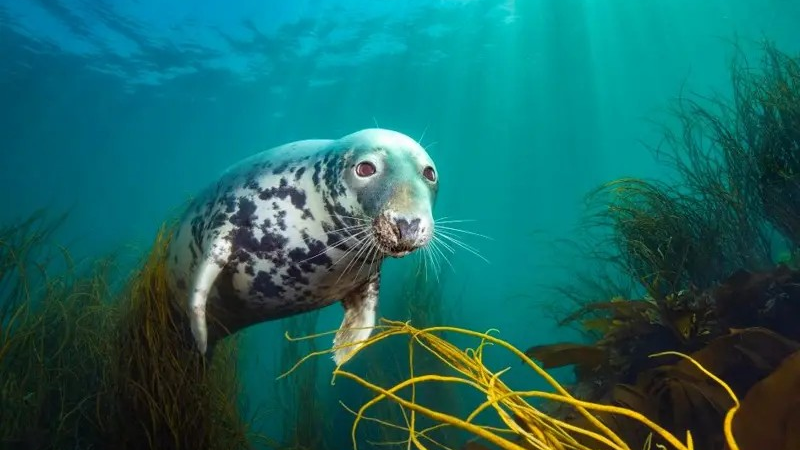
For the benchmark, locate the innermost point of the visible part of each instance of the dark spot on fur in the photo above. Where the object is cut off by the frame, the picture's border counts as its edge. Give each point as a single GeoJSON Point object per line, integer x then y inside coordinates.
{"type": "Point", "coordinates": [230, 203]}
{"type": "Point", "coordinates": [272, 242]}
{"type": "Point", "coordinates": [314, 256]}
{"type": "Point", "coordinates": [299, 173]}
{"type": "Point", "coordinates": [295, 275]}
{"type": "Point", "coordinates": [283, 191]}
{"type": "Point", "coordinates": [332, 176]}
{"type": "Point", "coordinates": [251, 184]}
{"type": "Point", "coordinates": [242, 238]}
{"type": "Point", "coordinates": [315, 176]}
{"type": "Point", "coordinates": [281, 219]}
{"type": "Point", "coordinates": [280, 168]}
{"type": "Point", "coordinates": [264, 285]}
{"type": "Point", "coordinates": [218, 220]}
{"type": "Point", "coordinates": [198, 227]}
{"type": "Point", "coordinates": [246, 213]}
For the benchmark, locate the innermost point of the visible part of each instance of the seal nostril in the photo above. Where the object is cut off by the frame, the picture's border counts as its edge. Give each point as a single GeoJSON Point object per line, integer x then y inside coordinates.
{"type": "Point", "coordinates": [406, 230]}
{"type": "Point", "coordinates": [402, 229]}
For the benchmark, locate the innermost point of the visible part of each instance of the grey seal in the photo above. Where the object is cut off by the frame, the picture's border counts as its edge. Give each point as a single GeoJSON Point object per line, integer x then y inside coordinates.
{"type": "Point", "coordinates": [299, 227]}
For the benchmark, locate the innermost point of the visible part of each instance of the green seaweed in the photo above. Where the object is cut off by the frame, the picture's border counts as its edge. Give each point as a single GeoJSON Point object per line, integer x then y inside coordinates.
{"type": "Point", "coordinates": [84, 367]}
{"type": "Point", "coordinates": [701, 248]}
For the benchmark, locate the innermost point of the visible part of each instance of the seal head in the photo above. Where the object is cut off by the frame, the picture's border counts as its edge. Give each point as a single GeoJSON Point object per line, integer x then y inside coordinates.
{"type": "Point", "coordinates": [394, 183]}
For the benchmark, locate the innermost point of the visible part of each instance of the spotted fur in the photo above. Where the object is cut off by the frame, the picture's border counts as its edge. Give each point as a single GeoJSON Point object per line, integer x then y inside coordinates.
{"type": "Point", "coordinates": [261, 243]}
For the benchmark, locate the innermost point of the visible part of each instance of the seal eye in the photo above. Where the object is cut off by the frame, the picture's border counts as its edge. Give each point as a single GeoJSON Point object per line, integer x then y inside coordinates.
{"type": "Point", "coordinates": [429, 173]}
{"type": "Point", "coordinates": [365, 169]}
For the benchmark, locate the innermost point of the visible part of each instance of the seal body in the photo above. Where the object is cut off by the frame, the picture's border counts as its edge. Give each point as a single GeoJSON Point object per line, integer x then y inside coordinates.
{"type": "Point", "coordinates": [299, 227]}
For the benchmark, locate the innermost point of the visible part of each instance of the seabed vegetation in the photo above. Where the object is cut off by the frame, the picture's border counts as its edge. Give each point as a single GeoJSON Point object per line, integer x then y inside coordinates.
{"type": "Point", "coordinates": [705, 264]}
{"type": "Point", "coordinates": [692, 342]}
{"type": "Point", "coordinates": [84, 367]}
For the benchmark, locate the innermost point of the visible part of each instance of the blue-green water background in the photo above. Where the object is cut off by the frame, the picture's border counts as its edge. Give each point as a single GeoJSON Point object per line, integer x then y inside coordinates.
{"type": "Point", "coordinates": [124, 109]}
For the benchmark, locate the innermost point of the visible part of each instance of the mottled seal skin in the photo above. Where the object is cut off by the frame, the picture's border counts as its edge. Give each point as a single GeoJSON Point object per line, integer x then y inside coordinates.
{"type": "Point", "coordinates": [299, 227]}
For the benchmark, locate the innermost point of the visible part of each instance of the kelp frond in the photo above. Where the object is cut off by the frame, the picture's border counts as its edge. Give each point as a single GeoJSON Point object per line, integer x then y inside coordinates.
{"type": "Point", "coordinates": [523, 426]}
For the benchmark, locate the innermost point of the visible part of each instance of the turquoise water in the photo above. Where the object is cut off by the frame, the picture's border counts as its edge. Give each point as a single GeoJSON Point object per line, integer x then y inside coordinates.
{"type": "Point", "coordinates": [122, 110]}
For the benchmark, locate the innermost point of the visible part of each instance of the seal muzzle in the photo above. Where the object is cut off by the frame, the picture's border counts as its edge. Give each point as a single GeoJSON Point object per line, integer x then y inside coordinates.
{"type": "Point", "coordinates": [398, 236]}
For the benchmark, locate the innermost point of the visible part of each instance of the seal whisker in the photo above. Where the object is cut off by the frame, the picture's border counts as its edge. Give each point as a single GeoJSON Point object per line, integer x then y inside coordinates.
{"type": "Point", "coordinates": [434, 267]}
{"type": "Point", "coordinates": [435, 248]}
{"type": "Point", "coordinates": [452, 221]}
{"type": "Point", "coordinates": [437, 265]}
{"type": "Point", "coordinates": [347, 252]}
{"type": "Point", "coordinates": [353, 231]}
{"type": "Point", "coordinates": [357, 246]}
{"type": "Point", "coordinates": [423, 255]}
{"type": "Point", "coordinates": [336, 244]}
{"type": "Point", "coordinates": [357, 233]}
{"type": "Point", "coordinates": [367, 254]}
{"type": "Point", "coordinates": [373, 252]}
{"type": "Point", "coordinates": [467, 247]}
{"type": "Point", "coordinates": [454, 239]}
{"type": "Point", "coordinates": [435, 262]}
{"type": "Point", "coordinates": [351, 227]}
{"type": "Point", "coordinates": [447, 219]}
{"type": "Point", "coordinates": [458, 230]}
{"type": "Point", "coordinates": [444, 244]}
{"type": "Point", "coordinates": [423, 258]}
{"type": "Point", "coordinates": [431, 145]}
{"type": "Point", "coordinates": [376, 255]}
{"type": "Point", "coordinates": [361, 219]}
{"type": "Point", "coordinates": [423, 135]}
{"type": "Point", "coordinates": [346, 269]}
{"type": "Point", "coordinates": [355, 257]}
{"type": "Point", "coordinates": [429, 251]}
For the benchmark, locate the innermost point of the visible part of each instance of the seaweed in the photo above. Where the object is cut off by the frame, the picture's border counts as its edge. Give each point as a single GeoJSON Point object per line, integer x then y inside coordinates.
{"type": "Point", "coordinates": [701, 249]}
{"type": "Point", "coordinates": [170, 396]}
{"type": "Point", "coordinates": [768, 417]}
{"type": "Point", "coordinates": [85, 367]}
{"type": "Point", "coordinates": [521, 425]}
{"type": "Point", "coordinates": [53, 331]}
{"type": "Point", "coordinates": [670, 240]}
{"type": "Point", "coordinates": [674, 394]}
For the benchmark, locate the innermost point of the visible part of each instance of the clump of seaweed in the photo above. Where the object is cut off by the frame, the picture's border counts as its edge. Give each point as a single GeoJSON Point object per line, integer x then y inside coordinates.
{"type": "Point", "coordinates": [181, 400]}
{"type": "Point", "coordinates": [53, 339]}
{"type": "Point", "coordinates": [701, 251]}
{"type": "Point", "coordinates": [84, 367]}
{"type": "Point", "coordinates": [521, 425]}
{"type": "Point", "coordinates": [670, 240]}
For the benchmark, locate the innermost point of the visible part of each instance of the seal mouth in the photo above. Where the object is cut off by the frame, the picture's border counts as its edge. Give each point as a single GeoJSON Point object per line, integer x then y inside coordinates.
{"type": "Point", "coordinates": [395, 238]}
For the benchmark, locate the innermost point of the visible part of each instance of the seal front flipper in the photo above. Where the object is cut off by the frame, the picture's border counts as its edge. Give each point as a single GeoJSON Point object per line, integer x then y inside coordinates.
{"type": "Point", "coordinates": [210, 267]}
{"type": "Point", "coordinates": [359, 318]}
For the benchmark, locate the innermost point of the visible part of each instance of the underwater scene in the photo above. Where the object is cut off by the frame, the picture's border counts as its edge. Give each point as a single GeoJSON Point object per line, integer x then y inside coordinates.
{"type": "Point", "coordinates": [400, 224]}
